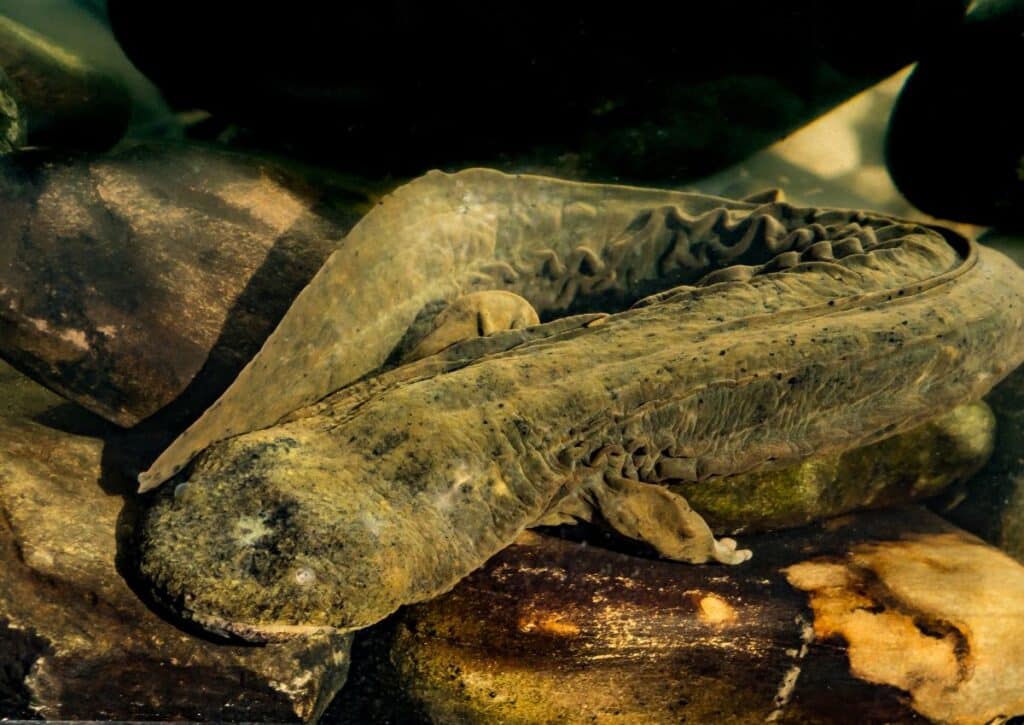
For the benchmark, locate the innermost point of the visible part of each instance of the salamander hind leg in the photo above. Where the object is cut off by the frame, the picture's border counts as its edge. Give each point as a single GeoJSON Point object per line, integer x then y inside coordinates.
{"type": "Point", "coordinates": [474, 315]}
{"type": "Point", "coordinates": [653, 514]}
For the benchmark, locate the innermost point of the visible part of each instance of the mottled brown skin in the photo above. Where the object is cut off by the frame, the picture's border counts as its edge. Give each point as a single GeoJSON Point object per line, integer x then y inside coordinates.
{"type": "Point", "coordinates": [912, 466]}
{"type": "Point", "coordinates": [391, 490]}
{"type": "Point", "coordinates": [76, 641]}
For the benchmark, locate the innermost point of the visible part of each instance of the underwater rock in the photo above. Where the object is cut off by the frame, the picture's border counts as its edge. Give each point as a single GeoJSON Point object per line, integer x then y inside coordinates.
{"type": "Point", "coordinates": [955, 146]}
{"type": "Point", "coordinates": [908, 467]}
{"type": "Point", "coordinates": [991, 505]}
{"type": "Point", "coordinates": [12, 125]}
{"type": "Point", "coordinates": [66, 103]}
{"type": "Point", "coordinates": [882, 617]}
{"type": "Point", "coordinates": [803, 333]}
{"type": "Point", "coordinates": [76, 642]}
{"type": "Point", "coordinates": [126, 279]}
{"type": "Point", "coordinates": [664, 92]}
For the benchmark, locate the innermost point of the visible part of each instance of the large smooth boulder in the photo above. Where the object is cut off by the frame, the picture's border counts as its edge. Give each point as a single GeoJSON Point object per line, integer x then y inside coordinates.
{"type": "Point", "coordinates": [129, 279]}
{"type": "Point", "coordinates": [955, 146]}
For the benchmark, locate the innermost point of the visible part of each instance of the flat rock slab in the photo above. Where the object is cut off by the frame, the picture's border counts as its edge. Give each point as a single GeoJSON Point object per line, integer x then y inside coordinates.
{"type": "Point", "coordinates": [69, 621]}
{"type": "Point", "coordinates": [67, 103]}
{"type": "Point", "coordinates": [887, 617]}
{"type": "Point", "coordinates": [127, 279]}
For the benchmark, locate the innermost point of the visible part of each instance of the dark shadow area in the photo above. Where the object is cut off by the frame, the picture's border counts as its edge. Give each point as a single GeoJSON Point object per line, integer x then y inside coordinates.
{"type": "Point", "coordinates": [655, 92]}
{"type": "Point", "coordinates": [954, 145]}
{"type": "Point", "coordinates": [19, 650]}
{"type": "Point", "coordinates": [372, 693]}
{"type": "Point", "coordinates": [73, 419]}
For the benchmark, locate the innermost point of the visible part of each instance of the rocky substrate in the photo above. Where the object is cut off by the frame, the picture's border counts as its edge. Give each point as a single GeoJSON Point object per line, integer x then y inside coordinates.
{"type": "Point", "coordinates": [76, 639]}
{"type": "Point", "coordinates": [884, 617]}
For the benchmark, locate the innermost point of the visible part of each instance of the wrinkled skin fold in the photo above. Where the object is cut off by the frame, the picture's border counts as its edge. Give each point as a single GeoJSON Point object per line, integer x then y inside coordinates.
{"type": "Point", "coordinates": [561, 245]}
{"type": "Point", "coordinates": [842, 329]}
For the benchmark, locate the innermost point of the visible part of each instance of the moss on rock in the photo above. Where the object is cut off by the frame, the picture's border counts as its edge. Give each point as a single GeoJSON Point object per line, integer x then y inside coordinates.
{"type": "Point", "coordinates": [908, 467]}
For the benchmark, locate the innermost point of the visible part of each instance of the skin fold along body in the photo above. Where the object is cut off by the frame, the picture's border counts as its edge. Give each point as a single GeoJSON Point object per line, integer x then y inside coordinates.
{"type": "Point", "coordinates": [786, 333]}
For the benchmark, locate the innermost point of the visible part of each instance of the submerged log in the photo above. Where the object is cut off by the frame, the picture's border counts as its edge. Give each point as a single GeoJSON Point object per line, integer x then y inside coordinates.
{"type": "Point", "coordinates": [127, 279]}
{"type": "Point", "coordinates": [76, 642]}
{"type": "Point", "coordinates": [893, 616]}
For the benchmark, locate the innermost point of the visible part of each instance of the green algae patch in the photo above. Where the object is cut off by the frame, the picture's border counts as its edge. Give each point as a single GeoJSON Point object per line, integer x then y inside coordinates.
{"type": "Point", "coordinates": [907, 467]}
{"type": "Point", "coordinates": [12, 124]}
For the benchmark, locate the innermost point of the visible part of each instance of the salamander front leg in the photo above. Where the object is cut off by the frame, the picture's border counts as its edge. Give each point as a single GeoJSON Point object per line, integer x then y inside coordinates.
{"type": "Point", "coordinates": [653, 514]}
{"type": "Point", "coordinates": [474, 315]}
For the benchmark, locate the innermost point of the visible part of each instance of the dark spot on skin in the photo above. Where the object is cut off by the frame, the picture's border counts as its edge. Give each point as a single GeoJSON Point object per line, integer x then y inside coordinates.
{"type": "Point", "coordinates": [412, 472]}
{"type": "Point", "coordinates": [389, 441]}
{"type": "Point", "coordinates": [271, 555]}
{"type": "Point", "coordinates": [587, 267]}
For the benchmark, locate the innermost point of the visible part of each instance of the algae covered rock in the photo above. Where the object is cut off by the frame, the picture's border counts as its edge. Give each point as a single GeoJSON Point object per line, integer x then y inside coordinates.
{"type": "Point", "coordinates": [76, 641]}
{"type": "Point", "coordinates": [66, 103]}
{"type": "Point", "coordinates": [12, 124]}
{"type": "Point", "coordinates": [886, 617]}
{"type": "Point", "coordinates": [991, 505]}
{"type": "Point", "coordinates": [915, 465]}
{"type": "Point", "coordinates": [128, 279]}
